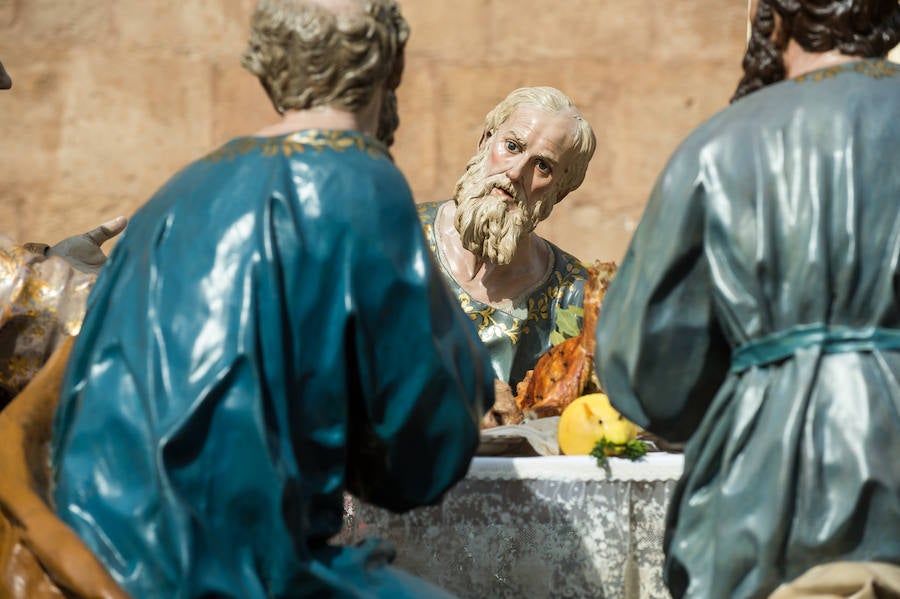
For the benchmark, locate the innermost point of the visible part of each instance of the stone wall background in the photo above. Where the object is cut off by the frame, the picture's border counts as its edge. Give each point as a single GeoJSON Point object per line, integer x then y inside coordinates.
{"type": "Point", "coordinates": [110, 97]}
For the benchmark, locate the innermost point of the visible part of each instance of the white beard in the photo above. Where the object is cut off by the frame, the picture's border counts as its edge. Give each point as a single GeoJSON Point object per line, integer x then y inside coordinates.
{"type": "Point", "coordinates": [487, 224]}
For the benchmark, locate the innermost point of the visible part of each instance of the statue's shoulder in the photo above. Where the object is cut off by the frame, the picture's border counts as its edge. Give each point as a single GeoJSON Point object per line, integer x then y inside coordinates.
{"type": "Point", "coordinates": [308, 143]}
{"type": "Point", "coordinates": [570, 270]}
{"type": "Point", "coordinates": [428, 211]}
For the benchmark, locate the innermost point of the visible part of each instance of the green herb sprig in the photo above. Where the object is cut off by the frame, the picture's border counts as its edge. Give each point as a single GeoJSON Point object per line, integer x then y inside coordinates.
{"type": "Point", "coordinates": [632, 450]}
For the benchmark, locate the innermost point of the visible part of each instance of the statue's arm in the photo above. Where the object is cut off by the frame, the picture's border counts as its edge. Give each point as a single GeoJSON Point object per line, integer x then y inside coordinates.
{"type": "Point", "coordinates": [426, 377]}
{"type": "Point", "coordinates": [661, 354]}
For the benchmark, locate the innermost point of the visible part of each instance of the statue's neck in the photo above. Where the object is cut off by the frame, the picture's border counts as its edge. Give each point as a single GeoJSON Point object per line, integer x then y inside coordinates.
{"type": "Point", "coordinates": [327, 117]}
{"type": "Point", "coordinates": [490, 283]}
{"type": "Point", "coordinates": [798, 61]}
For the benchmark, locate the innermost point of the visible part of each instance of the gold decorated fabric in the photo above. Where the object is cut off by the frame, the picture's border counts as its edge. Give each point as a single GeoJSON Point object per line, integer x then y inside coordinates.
{"type": "Point", "coordinates": [42, 302]}
{"type": "Point", "coordinates": [517, 336]}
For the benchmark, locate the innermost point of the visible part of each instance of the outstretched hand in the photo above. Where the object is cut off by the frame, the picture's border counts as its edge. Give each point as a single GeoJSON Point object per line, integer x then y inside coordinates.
{"type": "Point", "coordinates": [83, 251]}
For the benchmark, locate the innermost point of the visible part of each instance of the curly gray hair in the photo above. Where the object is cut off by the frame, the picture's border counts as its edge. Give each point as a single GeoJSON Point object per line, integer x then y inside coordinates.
{"type": "Point", "coordinates": [306, 55]}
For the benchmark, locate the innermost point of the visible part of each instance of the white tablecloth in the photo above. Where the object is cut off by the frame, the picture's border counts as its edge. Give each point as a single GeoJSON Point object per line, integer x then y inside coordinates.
{"type": "Point", "coordinates": [537, 527]}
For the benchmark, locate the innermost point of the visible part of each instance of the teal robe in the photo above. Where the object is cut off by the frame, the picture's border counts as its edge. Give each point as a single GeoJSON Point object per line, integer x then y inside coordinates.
{"type": "Point", "coordinates": [270, 332]}
{"type": "Point", "coordinates": [550, 312]}
{"type": "Point", "coordinates": [757, 313]}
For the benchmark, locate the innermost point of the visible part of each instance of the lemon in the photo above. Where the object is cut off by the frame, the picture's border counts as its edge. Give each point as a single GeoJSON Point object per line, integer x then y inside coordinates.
{"type": "Point", "coordinates": [589, 419]}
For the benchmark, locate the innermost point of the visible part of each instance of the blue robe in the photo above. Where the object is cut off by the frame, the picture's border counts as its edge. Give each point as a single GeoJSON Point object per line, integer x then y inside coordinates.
{"type": "Point", "coordinates": [269, 332]}
{"type": "Point", "coordinates": [757, 313]}
{"type": "Point", "coordinates": [517, 336]}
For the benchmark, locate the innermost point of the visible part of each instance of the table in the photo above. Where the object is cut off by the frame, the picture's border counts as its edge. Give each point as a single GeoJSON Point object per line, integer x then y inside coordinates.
{"type": "Point", "coordinates": [537, 527]}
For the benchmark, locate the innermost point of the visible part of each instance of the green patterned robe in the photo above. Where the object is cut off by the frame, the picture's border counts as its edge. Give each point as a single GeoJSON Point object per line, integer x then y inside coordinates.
{"type": "Point", "coordinates": [517, 336]}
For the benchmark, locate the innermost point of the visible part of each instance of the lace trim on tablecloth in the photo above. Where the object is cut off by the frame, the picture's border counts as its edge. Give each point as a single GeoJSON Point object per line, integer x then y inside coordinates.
{"type": "Point", "coordinates": [656, 466]}
{"type": "Point", "coordinates": [539, 539]}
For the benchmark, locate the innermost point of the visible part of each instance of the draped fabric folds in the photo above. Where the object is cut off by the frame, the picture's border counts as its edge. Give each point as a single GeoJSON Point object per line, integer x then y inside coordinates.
{"type": "Point", "coordinates": [269, 332]}
{"type": "Point", "coordinates": [756, 313]}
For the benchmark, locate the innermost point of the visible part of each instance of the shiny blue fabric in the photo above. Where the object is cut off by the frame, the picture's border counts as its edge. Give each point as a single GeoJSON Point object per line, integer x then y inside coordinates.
{"type": "Point", "coordinates": [776, 216]}
{"type": "Point", "coordinates": [270, 332]}
{"type": "Point", "coordinates": [829, 339]}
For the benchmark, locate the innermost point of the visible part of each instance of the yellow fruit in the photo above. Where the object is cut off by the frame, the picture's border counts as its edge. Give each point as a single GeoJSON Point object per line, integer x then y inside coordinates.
{"type": "Point", "coordinates": [589, 419]}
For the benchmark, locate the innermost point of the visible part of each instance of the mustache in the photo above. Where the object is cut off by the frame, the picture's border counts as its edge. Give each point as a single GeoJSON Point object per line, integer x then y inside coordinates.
{"type": "Point", "coordinates": [491, 225]}
{"type": "Point", "coordinates": [501, 182]}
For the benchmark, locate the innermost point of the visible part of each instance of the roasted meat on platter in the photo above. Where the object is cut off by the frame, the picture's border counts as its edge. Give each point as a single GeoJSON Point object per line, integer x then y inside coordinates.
{"type": "Point", "coordinates": [565, 371]}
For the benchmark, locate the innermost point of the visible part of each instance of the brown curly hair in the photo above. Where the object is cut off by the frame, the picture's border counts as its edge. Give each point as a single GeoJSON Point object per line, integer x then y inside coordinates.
{"type": "Point", "coordinates": [306, 55]}
{"type": "Point", "coordinates": [867, 28]}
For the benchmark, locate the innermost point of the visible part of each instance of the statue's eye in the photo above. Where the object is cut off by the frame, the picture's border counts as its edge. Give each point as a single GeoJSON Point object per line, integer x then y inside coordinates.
{"type": "Point", "coordinates": [512, 146]}
{"type": "Point", "coordinates": [543, 166]}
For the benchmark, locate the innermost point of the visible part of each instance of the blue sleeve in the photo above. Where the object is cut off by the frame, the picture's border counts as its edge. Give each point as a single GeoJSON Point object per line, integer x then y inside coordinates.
{"type": "Point", "coordinates": [425, 377]}
{"type": "Point", "coordinates": [660, 354]}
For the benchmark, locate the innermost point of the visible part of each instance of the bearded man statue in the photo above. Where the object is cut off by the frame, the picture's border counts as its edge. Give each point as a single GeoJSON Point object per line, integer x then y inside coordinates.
{"type": "Point", "coordinates": [534, 150]}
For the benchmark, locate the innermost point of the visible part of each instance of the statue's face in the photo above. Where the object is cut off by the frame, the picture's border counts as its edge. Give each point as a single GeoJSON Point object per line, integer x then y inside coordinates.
{"type": "Point", "coordinates": [5, 81]}
{"type": "Point", "coordinates": [512, 183]}
{"type": "Point", "coordinates": [533, 148]}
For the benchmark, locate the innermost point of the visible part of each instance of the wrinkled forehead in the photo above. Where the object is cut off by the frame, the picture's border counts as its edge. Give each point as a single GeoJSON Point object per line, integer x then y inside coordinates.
{"type": "Point", "coordinates": [549, 133]}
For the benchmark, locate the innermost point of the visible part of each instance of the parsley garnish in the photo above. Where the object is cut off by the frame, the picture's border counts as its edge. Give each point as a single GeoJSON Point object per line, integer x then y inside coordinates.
{"type": "Point", "coordinates": [632, 450]}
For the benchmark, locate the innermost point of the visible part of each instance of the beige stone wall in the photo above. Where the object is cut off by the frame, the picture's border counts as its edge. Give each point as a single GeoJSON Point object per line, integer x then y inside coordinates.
{"type": "Point", "coordinates": [110, 97]}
